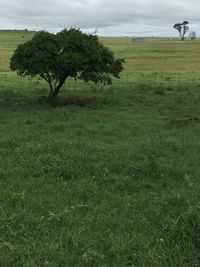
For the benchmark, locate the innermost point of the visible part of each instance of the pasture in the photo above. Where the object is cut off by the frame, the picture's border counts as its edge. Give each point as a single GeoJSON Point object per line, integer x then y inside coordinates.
{"type": "Point", "coordinates": [106, 176]}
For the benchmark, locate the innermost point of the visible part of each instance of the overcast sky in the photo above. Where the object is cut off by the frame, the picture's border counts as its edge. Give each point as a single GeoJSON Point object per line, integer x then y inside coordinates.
{"type": "Point", "coordinates": [108, 17]}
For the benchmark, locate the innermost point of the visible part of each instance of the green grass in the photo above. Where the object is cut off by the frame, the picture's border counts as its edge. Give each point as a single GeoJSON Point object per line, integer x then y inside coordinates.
{"type": "Point", "coordinates": [106, 177]}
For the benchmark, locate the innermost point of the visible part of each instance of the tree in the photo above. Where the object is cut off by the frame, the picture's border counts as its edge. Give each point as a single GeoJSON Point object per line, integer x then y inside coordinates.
{"type": "Point", "coordinates": [182, 28]}
{"type": "Point", "coordinates": [69, 53]}
{"type": "Point", "coordinates": [193, 35]}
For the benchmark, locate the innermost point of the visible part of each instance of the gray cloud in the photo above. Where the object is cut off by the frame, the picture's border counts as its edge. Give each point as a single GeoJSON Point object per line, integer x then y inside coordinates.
{"type": "Point", "coordinates": [109, 17]}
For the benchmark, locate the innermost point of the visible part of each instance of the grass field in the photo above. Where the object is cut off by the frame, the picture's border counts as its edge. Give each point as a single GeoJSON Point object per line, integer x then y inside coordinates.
{"type": "Point", "coordinates": [108, 176]}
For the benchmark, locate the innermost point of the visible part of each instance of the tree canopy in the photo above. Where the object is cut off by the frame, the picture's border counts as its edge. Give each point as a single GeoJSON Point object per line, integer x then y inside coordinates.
{"type": "Point", "coordinates": [182, 28]}
{"type": "Point", "coordinates": [69, 53]}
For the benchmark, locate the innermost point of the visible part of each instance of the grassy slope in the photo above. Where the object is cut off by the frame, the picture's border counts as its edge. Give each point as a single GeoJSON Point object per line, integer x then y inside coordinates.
{"type": "Point", "coordinates": [114, 183]}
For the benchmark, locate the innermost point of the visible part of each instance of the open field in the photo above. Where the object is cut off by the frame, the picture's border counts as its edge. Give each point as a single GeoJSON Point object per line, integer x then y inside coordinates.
{"type": "Point", "coordinates": [109, 176]}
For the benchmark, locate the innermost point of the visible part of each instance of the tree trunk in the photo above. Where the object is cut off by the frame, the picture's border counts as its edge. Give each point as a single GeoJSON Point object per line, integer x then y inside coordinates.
{"type": "Point", "coordinates": [54, 92]}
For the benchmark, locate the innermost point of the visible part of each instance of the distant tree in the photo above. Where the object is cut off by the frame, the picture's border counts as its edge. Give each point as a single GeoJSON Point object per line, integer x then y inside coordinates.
{"type": "Point", "coordinates": [69, 53]}
{"type": "Point", "coordinates": [193, 35]}
{"type": "Point", "coordinates": [182, 28]}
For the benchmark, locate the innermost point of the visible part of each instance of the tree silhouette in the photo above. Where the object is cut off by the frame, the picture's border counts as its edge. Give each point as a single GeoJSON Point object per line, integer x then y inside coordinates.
{"type": "Point", "coordinates": [182, 28]}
